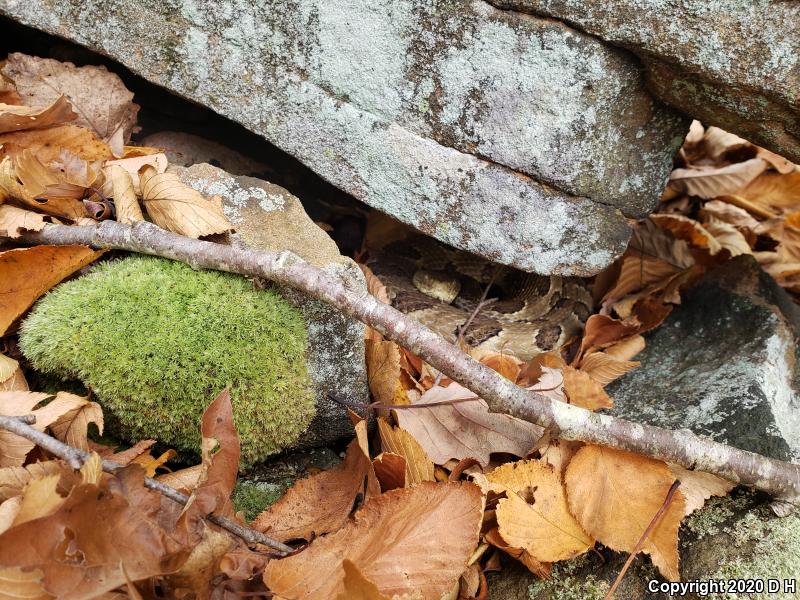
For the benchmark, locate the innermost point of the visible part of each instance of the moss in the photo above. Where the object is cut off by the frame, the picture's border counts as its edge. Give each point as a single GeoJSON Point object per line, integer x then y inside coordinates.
{"type": "Point", "coordinates": [156, 341]}
{"type": "Point", "coordinates": [251, 498]}
{"type": "Point", "coordinates": [567, 584]}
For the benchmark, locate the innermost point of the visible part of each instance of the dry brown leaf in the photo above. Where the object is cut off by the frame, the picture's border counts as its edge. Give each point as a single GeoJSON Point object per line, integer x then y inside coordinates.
{"type": "Point", "coordinates": [101, 100]}
{"type": "Point", "coordinates": [130, 545]}
{"type": "Point", "coordinates": [390, 469]}
{"type": "Point", "coordinates": [407, 540]}
{"type": "Point", "coordinates": [465, 429]}
{"type": "Point", "coordinates": [14, 449]}
{"type": "Point", "coordinates": [14, 220]}
{"type": "Point", "coordinates": [17, 118]}
{"type": "Point", "coordinates": [710, 182]}
{"type": "Point", "coordinates": [615, 494]}
{"type": "Point", "coordinates": [184, 479]}
{"type": "Point", "coordinates": [19, 584]}
{"type": "Point", "coordinates": [384, 371]}
{"type": "Point", "coordinates": [128, 210]}
{"type": "Point", "coordinates": [14, 479]}
{"type": "Point", "coordinates": [321, 503]}
{"type": "Point", "coordinates": [508, 366]}
{"type": "Point", "coordinates": [774, 190]}
{"type": "Point", "coordinates": [398, 441]}
{"type": "Point", "coordinates": [11, 376]}
{"type": "Point", "coordinates": [9, 509]}
{"type": "Point", "coordinates": [151, 463]}
{"type": "Point", "coordinates": [27, 273]}
{"type": "Point", "coordinates": [728, 236]}
{"type": "Point", "coordinates": [39, 499]}
{"type": "Point", "coordinates": [697, 487]}
{"type": "Point", "coordinates": [76, 413]}
{"type": "Point", "coordinates": [540, 569]}
{"type": "Point", "coordinates": [583, 391]}
{"type": "Point", "coordinates": [534, 515]}
{"type": "Point", "coordinates": [604, 368]}
{"type": "Point", "coordinates": [176, 207]}
{"type": "Point", "coordinates": [357, 587]}
{"type": "Point", "coordinates": [688, 230]}
{"type": "Point", "coordinates": [728, 213]}
{"type": "Point", "coordinates": [132, 165]}
{"type": "Point", "coordinates": [558, 453]}
{"type": "Point", "coordinates": [626, 348]}
{"type": "Point", "coordinates": [47, 144]}
{"type": "Point", "coordinates": [602, 331]}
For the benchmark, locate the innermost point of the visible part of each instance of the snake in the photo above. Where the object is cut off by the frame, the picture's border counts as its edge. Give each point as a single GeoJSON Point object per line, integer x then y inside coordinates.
{"type": "Point", "coordinates": [526, 313]}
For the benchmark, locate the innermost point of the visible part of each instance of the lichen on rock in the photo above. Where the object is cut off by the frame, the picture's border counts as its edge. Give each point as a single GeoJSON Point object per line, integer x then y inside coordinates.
{"type": "Point", "coordinates": [155, 341]}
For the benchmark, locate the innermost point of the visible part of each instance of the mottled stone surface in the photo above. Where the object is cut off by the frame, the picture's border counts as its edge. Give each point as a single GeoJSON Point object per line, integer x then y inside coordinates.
{"type": "Point", "coordinates": [729, 538]}
{"type": "Point", "coordinates": [497, 132]}
{"type": "Point", "coordinates": [730, 63]}
{"type": "Point", "coordinates": [723, 364]}
{"type": "Point", "coordinates": [268, 217]}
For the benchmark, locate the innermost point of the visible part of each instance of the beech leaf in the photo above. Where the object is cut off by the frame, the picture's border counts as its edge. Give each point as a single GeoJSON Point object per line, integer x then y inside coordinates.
{"type": "Point", "coordinates": [17, 118]}
{"type": "Point", "coordinates": [615, 494]}
{"type": "Point", "coordinates": [418, 467]}
{"type": "Point", "coordinates": [406, 540]}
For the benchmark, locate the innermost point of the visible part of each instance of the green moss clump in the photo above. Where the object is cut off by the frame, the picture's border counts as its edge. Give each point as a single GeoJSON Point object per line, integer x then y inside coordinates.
{"type": "Point", "coordinates": [156, 341]}
{"type": "Point", "coordinates": [252, 499]}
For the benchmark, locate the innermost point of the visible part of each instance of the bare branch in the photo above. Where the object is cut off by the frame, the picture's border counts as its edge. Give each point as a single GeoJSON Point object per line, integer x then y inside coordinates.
{"type": "Point", "coordinates": [567, 421]}
{"type": "Point", "coordinates": [75, 458]}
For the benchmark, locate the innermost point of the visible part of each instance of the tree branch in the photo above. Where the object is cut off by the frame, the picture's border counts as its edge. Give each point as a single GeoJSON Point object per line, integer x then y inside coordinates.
{"type": "Point", "coordinates": [75, 458]}
{"type": "Point", "coordinates": [569, 422]}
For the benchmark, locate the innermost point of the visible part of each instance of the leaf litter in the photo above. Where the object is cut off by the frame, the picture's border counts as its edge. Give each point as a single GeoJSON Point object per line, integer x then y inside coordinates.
{"type": "Point", "coordinates": [386, 523]}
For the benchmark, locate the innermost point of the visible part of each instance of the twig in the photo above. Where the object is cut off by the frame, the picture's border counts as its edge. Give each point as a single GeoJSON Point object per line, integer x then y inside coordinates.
{"type": "Point", "coordinates": [482, 303]}
{"type": "Point", "coordinates": [778, 478]}
{"type": "Point", "coordinates": [638, 547]}
{"type": "Point", "coordinates": [75, 458]}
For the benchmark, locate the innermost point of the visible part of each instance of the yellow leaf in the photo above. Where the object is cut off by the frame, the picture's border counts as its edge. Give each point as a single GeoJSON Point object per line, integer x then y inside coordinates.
{"type": "Point", "coordinates": [39, 499]}
{"type": "Point", "coordinates": [534, 515]}
{"type": "Point", "coordinates": [11, 376]}
{"type": "Point", "coordinates": [72, 425]}
{"type": "Point", "coordinates": [615, 494]}
{"type": "Point", "coordinates": [47, 144]}
{"type": "Point", "coordinates": [176, 207]}
{"type": "Point", "coordinates": [398, 441]}
{"type": "Point", "coordinates": [19, 584]}
{"type": "Point", "coordinates": [17, 117]}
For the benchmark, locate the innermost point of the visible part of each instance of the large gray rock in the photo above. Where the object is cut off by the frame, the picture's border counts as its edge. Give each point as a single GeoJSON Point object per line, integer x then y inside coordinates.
{"type": "Point", "coordinates": [507, 135]}
{"type": "Point", "coordinates": [268, 217]}
{"type": "Point", "coordinates": [730, 538]}
{"type": "Point", "coordinates": [723, 364]}
{"type": "Point", "coordinates": [730, 63]}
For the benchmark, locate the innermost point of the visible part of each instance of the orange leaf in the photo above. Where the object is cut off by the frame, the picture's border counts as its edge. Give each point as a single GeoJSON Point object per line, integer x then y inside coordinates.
{"type": "Point", "coordinates": [27, 273]}
{"type": "Point", "coordinates": [17, 118]}
{"type": "Point", "coordinates": [615, 494]}
{"type": "Point", "coordinates": [406, 540]}
{"type": "Point", "coordinates": [390, 469]}
{"type": "Point", "coordinates": [418, 467]}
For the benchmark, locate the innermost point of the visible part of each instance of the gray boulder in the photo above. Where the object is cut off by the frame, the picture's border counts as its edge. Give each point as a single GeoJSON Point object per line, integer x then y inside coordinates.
{"type": "Point", "coordinates": [730, 63]}
{"type": "Point", "coordinates": [268, 217]}
{"type": "Point", "coordinates": [500, 133]}
{"type": "Point", "coordinates": [723, 364]}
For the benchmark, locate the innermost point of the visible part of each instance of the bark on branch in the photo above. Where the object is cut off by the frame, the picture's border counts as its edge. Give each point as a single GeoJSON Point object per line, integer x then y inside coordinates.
{"type": "Point", "coordinates": [75, 457]}
{"type": "Point", "coordinates": [778, 478]}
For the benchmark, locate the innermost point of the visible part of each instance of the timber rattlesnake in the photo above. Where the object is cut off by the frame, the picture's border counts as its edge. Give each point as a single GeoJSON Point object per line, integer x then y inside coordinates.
{"type": "Point", "coordinates": [441, 287]}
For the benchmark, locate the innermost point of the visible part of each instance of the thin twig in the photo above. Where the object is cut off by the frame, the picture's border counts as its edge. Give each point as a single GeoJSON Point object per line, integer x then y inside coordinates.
{"type": "Point", "coordinates": [75, 458]}
{"type": "Point", "coordinates": [778, 478]}
{"type": "Point", "coordinates": [482, 303]}
{"type": "Point", "coordinates": [638, 547]}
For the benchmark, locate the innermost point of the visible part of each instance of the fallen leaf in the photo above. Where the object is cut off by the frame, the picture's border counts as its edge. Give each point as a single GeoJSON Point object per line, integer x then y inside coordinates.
{"type": "Point", "coordinates": [688, 230]}
{"type": "Point", "coordinates": [322, 502]}
{"type": "Point", "coordinates": [384, 372]}
{"type": "Point", "coordinates": [728, 213]}
{"type": "Point", "coordinates": [398, 441]}
{"type": "Point", "coordinates": [406, 540]}
{"type": "Point", "coordinates": [179, 208]}
{"type": "Point", "coordinates": [540, 569]}
{"type": "Point", "coordinates": [39, 499]}
{"type": "Point", "coordinates": [534, 515]}
{"type": "Point", "coordinates": [626, 348]}
{"type": "Point", "coordinates": [9, 509]}
{"type": "Point", "coordinates": [27, 273]}
{"type": "Point", "coordinates": [14, 220]}
{"type": "Point", "coordinates": [728, 236]}
{"type": "Point", "coordinates": [184, 479]}
{"type": "Point", "coordinates": [465, 429]}
{"type": "Point", "coordinates": [151, 463]}
{"type": "Point", "coordinates": [47, 144]}
{"type": "Point", "coordinates": [390, 469]}
{"type": "Point", "coordinates": [358, 587]}
{"type": "Point", "coordinates": [13, 448]}
{"type": "Point", "coordinates": [100, 98]}
{"type": "Point", "coordinates": [508, 366]}
{"type": "Point", "coordinates": [604, 368]}
{"type": "Point", "coordinates": [11, 376]}
{"type": "Point", "coordinates": [132, 165]}
{"type": "Point", "coordinates": [710, 182]}
{"type": "Point", "coordinates": [17, 118]}
{"type": "Point", "coordinates": [583, 391]}
{"type": "Point", "coordinates": [125, 201]}
{"type": "Point", "coordinates": [19, 584]}
{"type": "Point", "coordinates": [615, 494]}
{"type": "Point", "coordinates": [73, 424]}
{"type": "Point", "coordinates": [130, 545]}
{"type": "Point", "coordinates": [697, 487]}
{"type": "Point", "coordinates": [14, 479]}
{"type": "Point", "coordinates": [774, 190]}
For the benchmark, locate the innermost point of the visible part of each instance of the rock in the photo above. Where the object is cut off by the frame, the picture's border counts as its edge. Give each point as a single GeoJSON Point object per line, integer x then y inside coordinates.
{"type": "Point", "coordinates": [268, 217]}
{"type": "Point", "coordinates": [186, 149]}
{"type": "Point", "coordinates": [731, 63]}
{"type": "Point", "coordinates": [730, 538]}
{"type": "Point", "coordinates": [723, 364]}
{"type": "Point", "coordinates": [507, 135]}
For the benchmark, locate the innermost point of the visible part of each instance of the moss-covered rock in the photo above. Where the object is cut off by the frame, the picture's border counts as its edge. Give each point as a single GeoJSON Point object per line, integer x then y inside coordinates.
{"type": "Point", "coordinates": [156, 340]}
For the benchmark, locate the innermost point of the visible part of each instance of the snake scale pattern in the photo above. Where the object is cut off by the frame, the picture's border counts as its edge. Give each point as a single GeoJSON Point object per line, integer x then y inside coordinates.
{"type": "Point", "coordinates": [440, 287]}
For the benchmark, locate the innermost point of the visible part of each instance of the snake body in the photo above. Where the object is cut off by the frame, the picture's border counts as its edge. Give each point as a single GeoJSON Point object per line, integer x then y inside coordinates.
{"type": "Point", "coordinates": [441, 287]}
